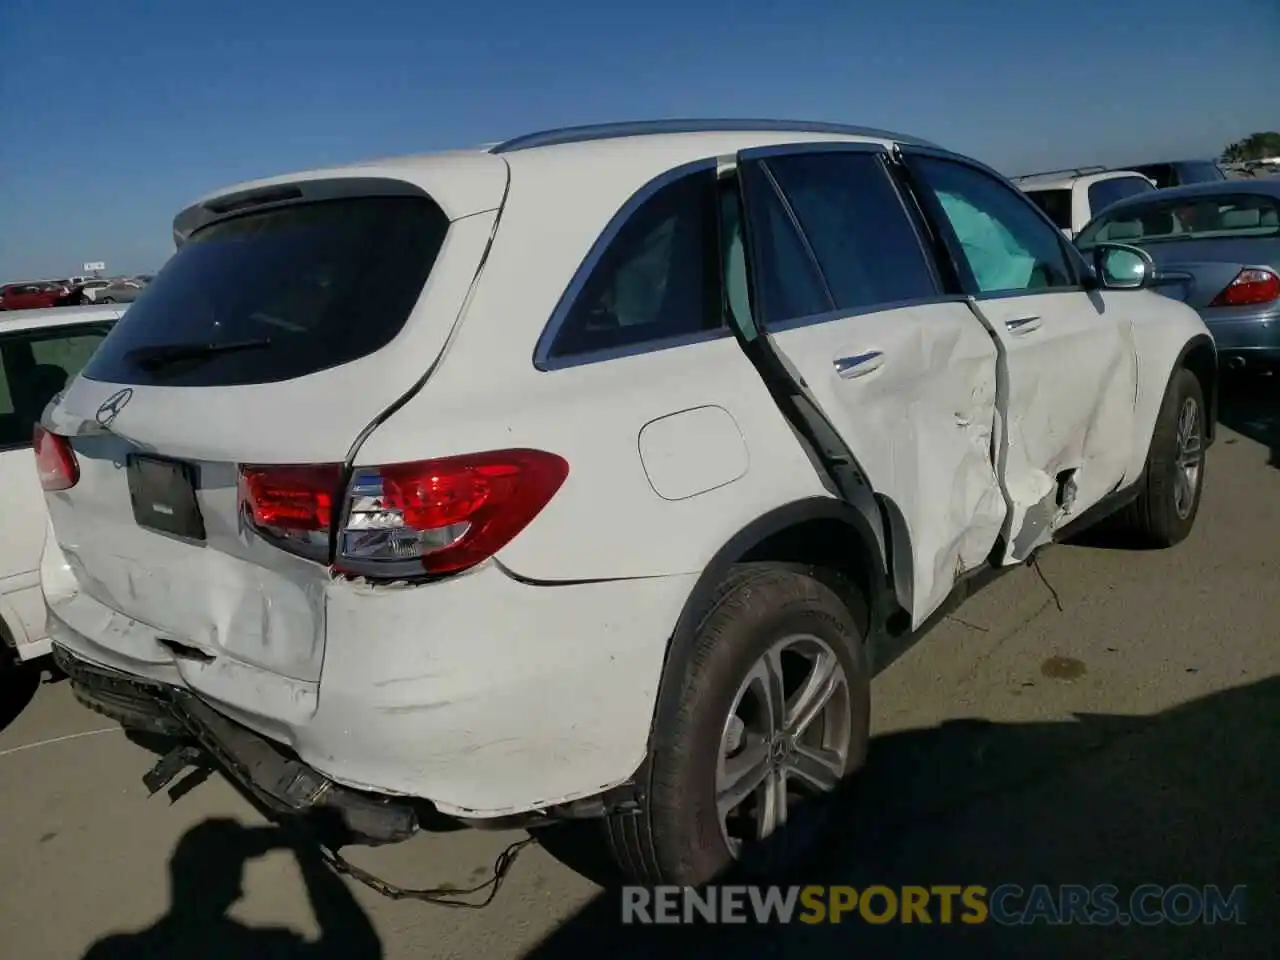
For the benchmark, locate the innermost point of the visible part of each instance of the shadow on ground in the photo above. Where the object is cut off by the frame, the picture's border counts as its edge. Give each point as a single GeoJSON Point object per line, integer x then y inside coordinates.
{"type": "Point", "coordinates": [18, 685]}
{"type": "Point", "coordinates": [1187, 796]}
{"type": "Point", "coordinates": [205, 876]}
{"type": "Point", "coordinates": [1250, 405]}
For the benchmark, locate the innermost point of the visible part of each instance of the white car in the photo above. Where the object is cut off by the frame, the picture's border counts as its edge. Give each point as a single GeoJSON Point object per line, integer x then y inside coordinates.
{"type": "Point", "coordinates": [593, 474]}
{"type": "Point", "coordinates": [1071, 198]}
{"type": "Point", "coordinates": [40, 352]}
{"type": "Point", "coordinates": [90, 290]}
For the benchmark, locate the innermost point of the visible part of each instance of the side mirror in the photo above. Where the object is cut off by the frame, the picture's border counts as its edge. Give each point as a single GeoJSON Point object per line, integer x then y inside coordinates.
{"type": "Point", "coordinates": [1118, 266]}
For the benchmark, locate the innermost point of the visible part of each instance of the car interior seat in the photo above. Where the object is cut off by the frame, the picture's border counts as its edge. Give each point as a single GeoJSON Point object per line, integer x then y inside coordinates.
{"type": "Point", "coordinates": [1245, 219]}
{"type": "Point", "coordinates": [43, 382]}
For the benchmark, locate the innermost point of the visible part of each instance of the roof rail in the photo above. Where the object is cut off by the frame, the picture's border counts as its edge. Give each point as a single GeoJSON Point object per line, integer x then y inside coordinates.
{"type": "Point", "coordinates": [640, 128]}
{"type": "Point", "coordinates": [1071, 171]}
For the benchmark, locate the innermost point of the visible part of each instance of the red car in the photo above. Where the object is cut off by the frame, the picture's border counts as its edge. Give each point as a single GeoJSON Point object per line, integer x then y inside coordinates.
{"type": "Point", "coordinates": [32, 296]}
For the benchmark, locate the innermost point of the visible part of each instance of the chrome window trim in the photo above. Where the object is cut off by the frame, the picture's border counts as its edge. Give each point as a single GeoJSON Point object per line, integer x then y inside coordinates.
{"type": "Point", "coordinates": [809, 146]}
{"type": "Point", "coordinates": [542, 359]}
{"type": "Point", "coordinates": [829, 316]}
{"type": "Point", "coordinates": [1009, 294]}
{"type": "Point", "coordinates": [636, 349]}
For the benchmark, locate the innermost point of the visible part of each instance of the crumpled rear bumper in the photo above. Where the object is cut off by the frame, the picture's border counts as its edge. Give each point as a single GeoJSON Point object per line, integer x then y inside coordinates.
{"type": "Point", "coordinates": [279, 781]}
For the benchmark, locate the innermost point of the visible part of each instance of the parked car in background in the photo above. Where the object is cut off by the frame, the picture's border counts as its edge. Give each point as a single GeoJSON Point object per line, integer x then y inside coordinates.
{"type": "Point", "coordinates": [40, 352]}
{"type": "Point", "coordinates": [33, 296]}
{"type": "Point", "coordinates": [635, 545]}
{"type": "Point", "coordinates": [120, 291]}
{"type": "Point", "coordinates": [1180, 173]}
{"type": "Point", "coordinates": [1071, 198]}
{"type": "Point", "coordinates": [1217, 248]}
{"type": "Point", "coordinates": [88, 291]}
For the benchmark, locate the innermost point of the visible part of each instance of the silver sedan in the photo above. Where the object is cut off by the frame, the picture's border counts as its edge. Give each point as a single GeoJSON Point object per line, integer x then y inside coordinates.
{"type": "Point", "coordinates": [120, 291]}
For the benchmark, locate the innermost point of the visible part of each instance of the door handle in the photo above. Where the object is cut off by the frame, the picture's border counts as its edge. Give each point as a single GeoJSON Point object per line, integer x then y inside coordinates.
{"type": "Point", "coordinates": [859, 365]}
{"type": "Point", "coordinates": [1023, 325]}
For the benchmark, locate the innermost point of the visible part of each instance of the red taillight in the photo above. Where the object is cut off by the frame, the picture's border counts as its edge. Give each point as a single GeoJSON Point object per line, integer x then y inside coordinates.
{"type": "Point", "coordinates": [443, 516]}
{"type": "Point", "coordinates": [293, 504]}
{"type": "Point", "coordinates": [1251, 286]}
{"type": "Point", "coordinates": [55, 460]}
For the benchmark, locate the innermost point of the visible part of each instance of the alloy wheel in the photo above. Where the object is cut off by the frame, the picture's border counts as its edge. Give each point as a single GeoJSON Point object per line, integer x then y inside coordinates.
{"type": "Point", "coordinates": [1189, 458]}
{"type": "Point", "coordinates": [785, 742]}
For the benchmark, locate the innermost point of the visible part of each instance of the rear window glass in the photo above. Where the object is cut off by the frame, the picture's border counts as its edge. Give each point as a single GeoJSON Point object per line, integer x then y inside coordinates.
{"type": "Point", "coordinates": [1162, 173]}
{"type": "Point", "coordinates": [1056, 204]}
{"type": "Point", "coordinates": [1187, 218]}
{"type": "Point", "coordinates": [1200, 172]}
{"type": "Point", "coordinates": [289, 291]}
{"type": "Point", "coordinates": [1104, 193]}
{"type": "Point", "coordinates": [35, 365]}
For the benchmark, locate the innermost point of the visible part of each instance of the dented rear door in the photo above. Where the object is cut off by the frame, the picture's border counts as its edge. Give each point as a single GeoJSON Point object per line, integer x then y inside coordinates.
{"type": "Point", "coordinates": [847, 297]}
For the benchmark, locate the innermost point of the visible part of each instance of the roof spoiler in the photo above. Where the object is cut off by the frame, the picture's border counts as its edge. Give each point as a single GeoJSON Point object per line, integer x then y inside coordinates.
{"type": "Point", "coordinates": [224, 205]}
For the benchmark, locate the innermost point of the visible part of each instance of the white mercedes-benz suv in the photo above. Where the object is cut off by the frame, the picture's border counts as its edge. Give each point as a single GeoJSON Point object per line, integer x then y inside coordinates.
{"type": "Point", "coordinates": [593, 473]}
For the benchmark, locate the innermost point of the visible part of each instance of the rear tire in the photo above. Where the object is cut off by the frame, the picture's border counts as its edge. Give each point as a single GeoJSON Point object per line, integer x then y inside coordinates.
{"type": "Point", "coordinates": [1166, 509]}
{"type": "Point", "coordinates": [769, 625]}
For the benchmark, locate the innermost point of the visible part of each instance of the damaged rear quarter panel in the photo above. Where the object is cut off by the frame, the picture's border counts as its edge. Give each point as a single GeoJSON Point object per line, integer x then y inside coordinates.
{"type": "Point", "coordinates": [486, 695]}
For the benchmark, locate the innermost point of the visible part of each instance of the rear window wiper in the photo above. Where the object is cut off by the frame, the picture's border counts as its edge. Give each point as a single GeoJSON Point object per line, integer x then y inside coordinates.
{"type": "Point", "coordinates": [163, 355]}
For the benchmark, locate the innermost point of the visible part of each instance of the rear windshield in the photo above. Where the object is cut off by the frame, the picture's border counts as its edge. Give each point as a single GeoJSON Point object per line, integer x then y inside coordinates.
{"type": "Point", "coordinates": [1200, 172]}
{"type": "Point", "coordinates": [1056, 204]}
{"type": "Point", "coordinates": [1103, 193]}
{"type": "Point", "coordinates": [292, 291]}
{"type": "Point", "coordinates": [1162, 173]}
{"type": "Point", "coordinates": [1188, 218]}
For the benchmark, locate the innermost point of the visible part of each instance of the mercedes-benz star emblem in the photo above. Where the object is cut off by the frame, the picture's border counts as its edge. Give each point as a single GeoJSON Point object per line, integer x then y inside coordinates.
{"type": "Point", "coordinates": [112, 406]}
{"type": "Point", "coordinates": [779, 749]}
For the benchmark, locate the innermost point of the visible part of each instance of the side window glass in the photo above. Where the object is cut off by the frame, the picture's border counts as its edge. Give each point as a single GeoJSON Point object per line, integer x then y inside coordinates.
{"type": "Point", "coordinates": [1103, 193]}
{"type": "Point", "coordinates": [34, 368]}
{"type": "Point", "coordinates": [788, 285]}
{"type": "Point", "coordinates": [70, 353]}
{"type": "Point", "coordinates": [1006, 245]}
{"type": "Point", "coordinates": [733, 253]}
{"type": "Point", "coordinates": [1056, 205]}
{"type": "Point", "coordinates": [6, 394]}
{"type": "Point", "coordinates": [658, 278]}
{"type": "Point", "coordinates": [855, 222]}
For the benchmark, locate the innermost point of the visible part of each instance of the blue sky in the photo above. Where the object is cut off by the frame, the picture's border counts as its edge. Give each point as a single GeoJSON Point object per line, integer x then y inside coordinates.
{"type": "Point", "coordinates": [115, 115]}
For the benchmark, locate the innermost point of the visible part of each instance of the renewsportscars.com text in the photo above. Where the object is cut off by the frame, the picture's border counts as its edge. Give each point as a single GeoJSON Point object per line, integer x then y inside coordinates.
{"type": "Point", "coordinates": [1007, 904]}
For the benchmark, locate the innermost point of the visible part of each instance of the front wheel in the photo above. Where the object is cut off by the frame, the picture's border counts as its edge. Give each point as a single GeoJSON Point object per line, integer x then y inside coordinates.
{"type": "Point", "coordinates": [770, 716]}
{"type": "Point", "coordinates": [107, 300]}
{"type": "Point", "coordinates": [1166, 509]}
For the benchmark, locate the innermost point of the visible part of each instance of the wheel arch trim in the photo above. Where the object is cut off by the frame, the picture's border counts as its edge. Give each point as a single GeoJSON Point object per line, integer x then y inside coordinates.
{"type": "Point", "coordinates": [1201, 341]}
{"type": "Point", "coordinates": [776, 521]}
